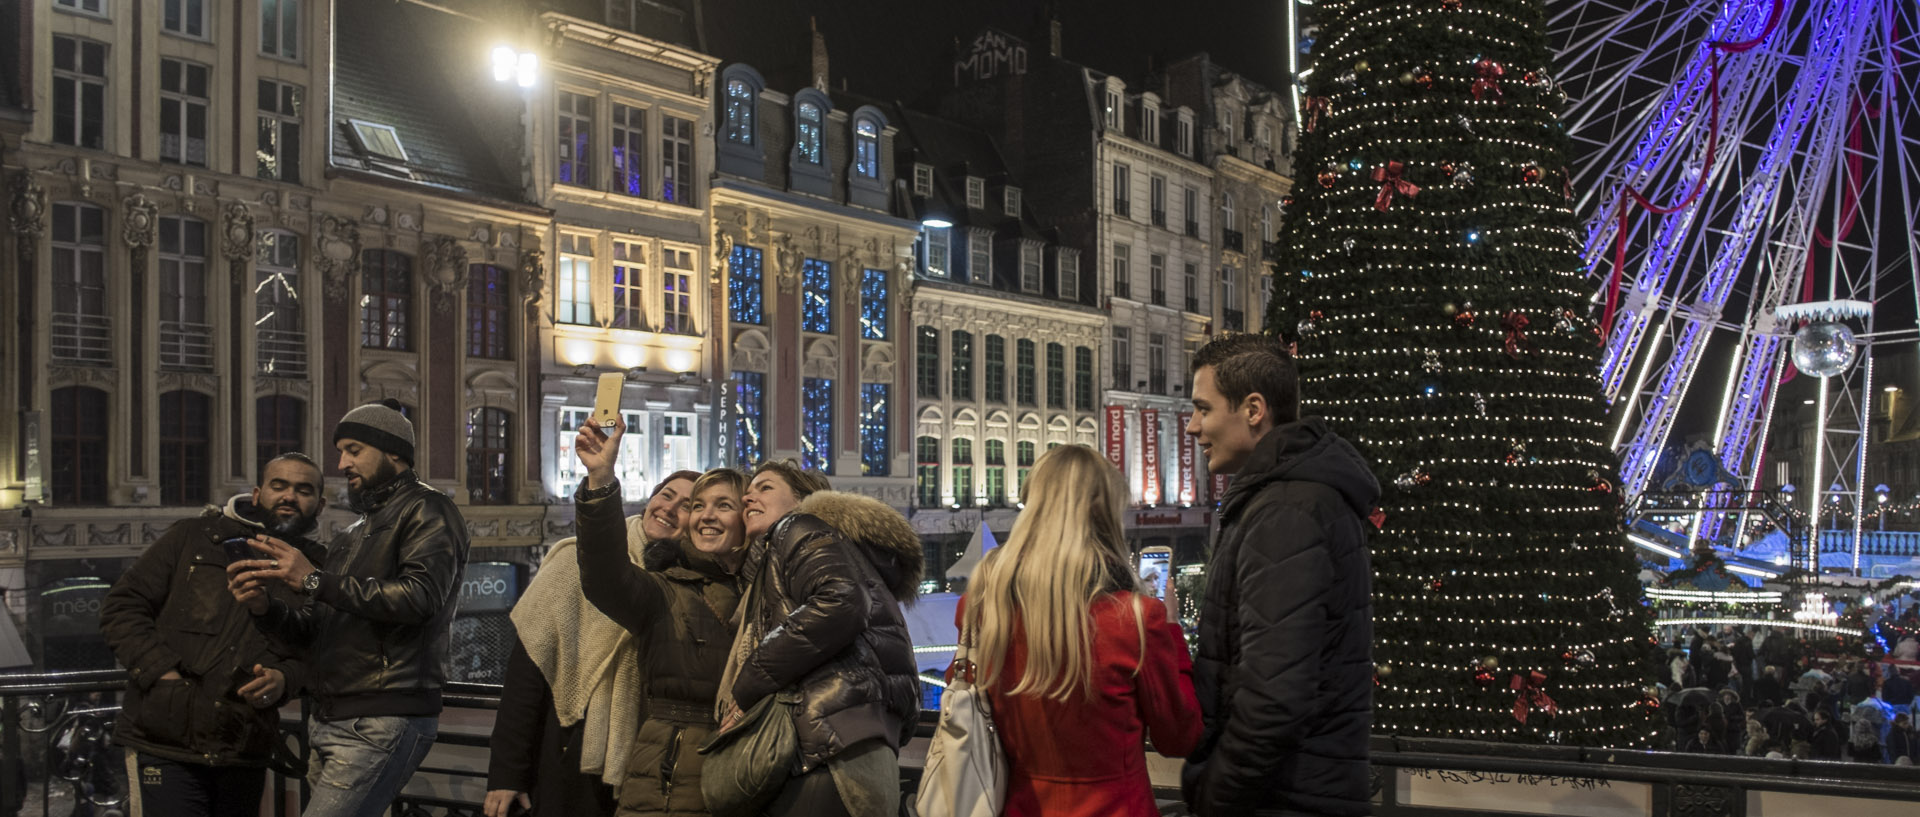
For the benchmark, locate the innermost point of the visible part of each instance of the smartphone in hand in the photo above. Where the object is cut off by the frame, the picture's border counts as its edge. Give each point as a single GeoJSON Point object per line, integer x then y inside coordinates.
{"type": "Point", "coordinates": [240, 678]}
{"type": "Point", "coordinates": [606, 403]}
{"type": "Point", "coordinates": [239, 549]}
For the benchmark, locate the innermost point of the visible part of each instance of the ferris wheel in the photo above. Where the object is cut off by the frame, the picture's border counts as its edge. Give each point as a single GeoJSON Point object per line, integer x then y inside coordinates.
{"type": "Point", "coordinates": [1745, 168]}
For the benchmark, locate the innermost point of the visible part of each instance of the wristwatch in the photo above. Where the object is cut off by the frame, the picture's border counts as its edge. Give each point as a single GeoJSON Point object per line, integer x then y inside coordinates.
{"type": "Point", "coordinates": [312, 583]}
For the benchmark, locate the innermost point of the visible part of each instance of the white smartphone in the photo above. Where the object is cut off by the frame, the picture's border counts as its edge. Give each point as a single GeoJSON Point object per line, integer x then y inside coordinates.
{"type": "Point", "coordinates": [606, 404]}
{"type": "Point", "coordinates": [1156, 571]}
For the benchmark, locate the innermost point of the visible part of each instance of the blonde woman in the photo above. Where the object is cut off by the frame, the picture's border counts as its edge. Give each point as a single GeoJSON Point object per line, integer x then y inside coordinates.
{"type": "Point", "coordinates": [1080, 666]}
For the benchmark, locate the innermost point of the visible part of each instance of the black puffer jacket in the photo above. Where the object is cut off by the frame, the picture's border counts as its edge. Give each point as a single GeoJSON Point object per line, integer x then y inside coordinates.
{"type": "Point", "coordinates": [839, 562]}
{"type": "Point", "coordinates": [381, 621]}
{"type": "Point", "coordinates": [1285, 655]}
{"type": "Point", "coordinates": [171, 612]}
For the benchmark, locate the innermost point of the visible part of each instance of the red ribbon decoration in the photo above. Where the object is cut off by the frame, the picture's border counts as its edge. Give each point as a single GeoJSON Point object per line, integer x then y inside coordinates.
{"type": "Point", "coordinates": [1490, 74]}
{"type": "Point", "coordinates": [1390, 183]}
{"type": "Point", "coordinates": [1316, 105]}
{"type": "Point", "coordinates": [1516, 326]}
{"type": "Point", "coordinates": [1531, 696]}
{"type": "Point", "coordinates": [1378, 517]}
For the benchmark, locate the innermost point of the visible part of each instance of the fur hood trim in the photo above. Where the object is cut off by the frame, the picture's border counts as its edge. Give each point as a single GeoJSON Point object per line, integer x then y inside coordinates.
{"type": "Point", "coordinates": [879, 528]}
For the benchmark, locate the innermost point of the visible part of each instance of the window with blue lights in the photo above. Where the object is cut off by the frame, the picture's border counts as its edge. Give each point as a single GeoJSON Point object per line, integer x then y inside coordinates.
{"type": "Point", "coordinates": [1023, 379]}
{"type": "Point", "coordinates": [816, 295]}
{"type": "Point", "coordinates": [874, 412]}
{"type": "Point", "coordinates": [740, 99]}
{"type": "Point", "coordinates": [809, 129]}
{"type": "Point", "coordinates": [927, 472]}
{"type": "Point", "coordinates": [816, 424]}
{"type": "Point", "coordinates": [749, 416]}
{"type": "Point", "coordinates": [866, 148]}
{"type": "Point", "coordinates": [873, 304]}
{"type": "Point", "coordinates": [745, 283]}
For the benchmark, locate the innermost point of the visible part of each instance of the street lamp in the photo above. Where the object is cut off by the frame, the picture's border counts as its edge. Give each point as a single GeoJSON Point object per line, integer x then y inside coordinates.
{"type": "Point", "coordinates": [519, 66]}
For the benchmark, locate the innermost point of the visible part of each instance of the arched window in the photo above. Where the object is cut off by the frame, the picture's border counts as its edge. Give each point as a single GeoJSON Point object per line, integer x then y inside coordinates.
{"type": "Point", "coordinates": [808, 129]}
{"type": "Point", "coordinates": [488, 452]}
{"type": "Point", "coordinates": [78, 416]}
{"type": "Point", "coordinates": [280, 424]}
{"type": "Point", "coordinates": [866, 148]}
{"type": "Point", "coordinates": [185, 447]}
{"type": "Point", "coordinates": [739, 106]}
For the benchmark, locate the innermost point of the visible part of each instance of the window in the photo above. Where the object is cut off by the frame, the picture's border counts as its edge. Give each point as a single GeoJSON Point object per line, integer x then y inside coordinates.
{"type": "Point", "coordinates": [574, 281]}
{"type": "Point", "coordinates": [183, 112]}
{"type": "Point", "coordinates": [1226, 124]}
{"type": "Point", "coordinates": [1150, 125]}
{"type": "Point", "coordinates": [78, 420]}
{"type": "Point", "coordinates": [1265, 137]}
{"type": "Point", "coordinates": [79, 92]}
{"type": "Point", "coordinates": [926, 454]}
{"type": "Point", "coordinates": [962, 365]}
{"type": "Point", "coordinates": [676, 291]}
{"type": "Point", "coordinates": [1266, 223]}
{"type": "Point", "coordinates": [996, 473]}
{"type": "Point", "coordinates": [677, 451]}
{"type": "Point", "coordinates": [98, 7]}
{"type": "Point", "coordinates": [1030, 268]}
{"type": "Point", "coordinates": [1122, 277]}
{"type": "Point", "coordinates": [185, 448]}
{"type": "Point", "coordinates": [873, 304]}
{"type": "Point", "coordinates": [875, 458]}
{"type": "Point", "coordinates": [1122, 358]}
{"type": "Point", "coordinates": [1191, 199]}
{"type": "Point", "coordinates": [1121, 181]}
{"type": "Point", "coordinates": [744, 285]}
{"type": "Point", "coordinates": [816, 424]}
{"type": "Point", "coordinates": [740, 102]}
{"type": "Point", "coordinates": [996, 369]}
{"type": "Point", "coordinates": [962, 473]}
{"type": "Point", "coordinates": [866, 149]}
{"type": "Point", "coordinates": [1157, 278]}
{"type": "Point", "coordinates": [80, 324]}
{"type": "Point", "coordinates": [1056, 375]}
{"type": "Point", "coordinates": [1067, 265]}
{"type": "Point", "coordinates": [980, 256]}
{"type": "Point", "coordinates": [816, 295]}
{"type": "Point", "coordinates": [186, 339]}
{"type": "Point", "coordinates": [1023, 452]}
{"type": "Point", "coordinates": [1157, 199]}
{"type": "Point", "coordinates": [280, 342]}
{"type": "Point", "coordinates": [187, 18]}
{"type": "Point", "coordinates": [280, 427]}
{"type": "Point", "coordinates": [280, 28]}
{"type": "Point", "coordinates": [677, 185]}
{"type": "Point", "coordinates": [1011, 201]}
{"type": "Point", "coordinates": [487, 453]}
{"type": "Point", "coordinates": [1023, 382]}
{"type": "Point", "coordinates": [807, 142]}
{"type": "Point", "coordinates": [976, 193]}
{"type": "Point", "coordinates": [1114, 108]}
{"type": "Point", "coordinates": [937, 257]}
{"type": "Point", "coordinates": [1157, 363]}
{"type": "Point", "coordinates": [749, 418]}
{"type": "Point", "coordinates": [629, 273]}
{"type": "Point", "coordinates": [1082, 378]}
{"type": "Point", "coordinates": [629, 150]}
{"type": "Point", "coordinates": [386, 300]}
{"type": "Point", "coordinates": [1191, 281]}
{"type": "Point", "coordinates": [927, 362]}
{"type": "Point", "coordinates": [1183, 137]}
{"type": "Point", "coordinates": [379, 140]}
{"type": "Point", "coordinates": [1227, 220]}
{"type": "Point", "coordinates": [576, 139]}
{"type": "Point", "coordinates": [487, 316]}
{"type": "Point", "coordinates": [632, 469]}
{"type": "Point", "coordinates": [276, 150]}
{"type": "Point", "coordinates": [922, 180]}
{"type": "Point", "coordinates": [1228, 277]}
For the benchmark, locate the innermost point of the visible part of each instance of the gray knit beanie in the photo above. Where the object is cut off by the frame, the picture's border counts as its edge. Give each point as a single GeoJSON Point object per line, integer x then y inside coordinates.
{"type": "Point", "coordinates": [380, 425]}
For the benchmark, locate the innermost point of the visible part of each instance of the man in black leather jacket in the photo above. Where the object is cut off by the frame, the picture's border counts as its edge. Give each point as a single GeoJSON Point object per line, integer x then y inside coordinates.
{"type": "Point", "coordinates": [375, 625]}
{"type": "Point", "coordinates": [204, 686]}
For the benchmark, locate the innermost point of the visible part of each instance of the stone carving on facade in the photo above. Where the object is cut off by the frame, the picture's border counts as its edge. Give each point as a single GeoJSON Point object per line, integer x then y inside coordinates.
{"type": "Point", "coordinates": [786, 264]}
{"type": "Point", "coordinates": [152, 531]}
{"type": "Point", "coordinates": [1687, 800]}
{"type": "Point", "coordinates": [236, 233]}
{"type": "Point", "coordinates": [283, 387]}
{"type": "Point", "coordinates": [751, 353]}
{"type": "Point", "coordinates": [722, 257]}
{"type": "Point", "coordinates": [560, 528]}
{"type": "Point", "coordinates": [877, 366]}
{"type": "Point", "coordinates": [98, 376]}
{"type": "Point", "coordinates": [26, 216]}
{"type": "Point", "coordinates": [100, 534]}
{"type": "Point", "coordinates": [477, 528]}
{"type": "Point", "coordinates": [191, 381]}
{"type": "Point", "coordinates": [481, 234]}
{"type": "Point", "coordinates": [822, 359]}
{"type": "Point", "coordinates": [140, 226]}
{"type": "Point", "coordinates": [376, 214]}
{"type": "Point", "coordinates": [446, 266]}
{"type": "Point", "coordinates": [409, 220]}
{"type": "Point", "coordinates": [523, 527]}
{"type": "Point", "coordinates": [53, 536]}
{"type": "Point", "coordinates": [338, 254]}
{"type": "Point", "coordinates": [533, 276]}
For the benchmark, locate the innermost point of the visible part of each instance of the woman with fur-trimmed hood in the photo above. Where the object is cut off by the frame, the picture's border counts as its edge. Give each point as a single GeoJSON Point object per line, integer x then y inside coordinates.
{"type": "Point", "coordinates": [827, 625]}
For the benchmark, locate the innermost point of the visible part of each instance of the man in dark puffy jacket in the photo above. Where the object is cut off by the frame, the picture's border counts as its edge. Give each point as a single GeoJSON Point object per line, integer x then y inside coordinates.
{"type": "Point", "coordinates": [376, 622]}
{"type": "Point", "coordinates": [204, 686]}
{"type": "Point", "coordinates": [1284, 664]}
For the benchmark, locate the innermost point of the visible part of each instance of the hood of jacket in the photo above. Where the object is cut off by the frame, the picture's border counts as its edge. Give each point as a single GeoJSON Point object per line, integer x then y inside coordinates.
{"type": "Point", "coordinates": [1307, 451]}
{"type": "Point", "coordinates": [881, 530]}
{"type": "Point", "coordinates": [242, 510]}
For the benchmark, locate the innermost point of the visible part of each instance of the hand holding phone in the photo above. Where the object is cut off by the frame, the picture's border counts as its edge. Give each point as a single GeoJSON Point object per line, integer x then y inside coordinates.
{"type": "Point", "coordinates": [238, 550]}
{"type": "Point", "coordinates": [606, 403]}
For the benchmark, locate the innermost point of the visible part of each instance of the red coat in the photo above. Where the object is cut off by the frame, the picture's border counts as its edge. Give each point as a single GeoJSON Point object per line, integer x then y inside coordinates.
{"type": "Point", "coordinates": [1089, 757]}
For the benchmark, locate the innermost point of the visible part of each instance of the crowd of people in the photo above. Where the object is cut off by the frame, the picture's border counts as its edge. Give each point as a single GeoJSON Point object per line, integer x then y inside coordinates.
{"type": "Point", "coordinates": [1755, 690]}
{"type": "Point", "coordinates": [644, 643]}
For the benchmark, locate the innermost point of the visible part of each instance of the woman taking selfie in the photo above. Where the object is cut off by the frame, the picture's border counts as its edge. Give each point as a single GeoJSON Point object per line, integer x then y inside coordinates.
{"type": "Point", "coordinates": [1079, 666]}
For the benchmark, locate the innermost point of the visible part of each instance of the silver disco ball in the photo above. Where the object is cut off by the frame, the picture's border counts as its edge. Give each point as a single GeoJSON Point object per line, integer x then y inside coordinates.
{"type": "Point", "coordinates": [1823, 349]}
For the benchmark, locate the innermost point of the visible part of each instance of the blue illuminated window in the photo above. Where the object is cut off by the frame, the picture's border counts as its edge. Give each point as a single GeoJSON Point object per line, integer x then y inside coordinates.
{"type": "Point", "coordinates": [816, 295]}
{"type": "Point", "coordinates": [739, 112]}
{"type": "Point", "coordinates": [749, 415]}
{"type": "Point", "coordinates": [874, 411]}
{"type": "Point", "coordinates": [866, 148]}
{"type": "Point", "coordinates": [809, 130]}
{"type": "Point", "coordinates": [816, 424]}
{"type": "Point", "coordinates": [744, 285]}
{"type": "Point", "coordinates": [873, 304]}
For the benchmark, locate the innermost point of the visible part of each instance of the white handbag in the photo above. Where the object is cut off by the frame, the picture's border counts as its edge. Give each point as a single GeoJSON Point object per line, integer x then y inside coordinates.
{"type": "Point", "coordinates": [966, 770]}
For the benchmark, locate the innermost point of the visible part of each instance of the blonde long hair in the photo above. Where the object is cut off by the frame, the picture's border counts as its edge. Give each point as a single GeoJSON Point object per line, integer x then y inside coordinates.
{"type": "Point", "coordinates": [1065, 549]}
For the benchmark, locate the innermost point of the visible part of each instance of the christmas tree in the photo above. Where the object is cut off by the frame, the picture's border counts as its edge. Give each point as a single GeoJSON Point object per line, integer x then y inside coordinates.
{"type": "Point", "coordinates": [1430, 270]}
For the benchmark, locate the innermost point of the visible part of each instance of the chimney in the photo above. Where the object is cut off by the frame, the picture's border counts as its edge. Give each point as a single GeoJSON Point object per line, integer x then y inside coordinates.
{"type": "Point", "coordinates": [819, 57]}
{"type": "Point", "coordinates": [1053, 37]}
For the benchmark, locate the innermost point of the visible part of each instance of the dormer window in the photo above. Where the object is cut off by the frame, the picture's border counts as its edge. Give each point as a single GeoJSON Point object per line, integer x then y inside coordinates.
{"type": "Point", "coordinates": [922, 180]}
{"type": "Point", "coordinates": [739, 112]}
{"type": "Point", "coordinates": [808, 128]}
{"type": "Point", "coordinates": [1011, 201]}
{"type": "Point", "coordinates": [1114, 108]}
{"type": "Point", "coordinates": [976, 193]}
{"type": "Point", "coordinates": [379, 140]}
{"type": "Point", "coordinates": [1150, 125]}
{"type": "Point", "coordinates": [1183, 135]}
{"type": "Point", "coordinates": [866, 148]}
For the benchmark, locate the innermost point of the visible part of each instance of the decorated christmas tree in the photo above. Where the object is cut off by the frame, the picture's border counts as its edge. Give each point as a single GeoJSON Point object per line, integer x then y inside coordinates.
{"type": "Point", "coordinates": [1431, 275]}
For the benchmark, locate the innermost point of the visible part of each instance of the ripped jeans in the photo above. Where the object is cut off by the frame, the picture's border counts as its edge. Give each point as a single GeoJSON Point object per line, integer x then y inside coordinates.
{"type": "Point", "coordinates": [358, 765]}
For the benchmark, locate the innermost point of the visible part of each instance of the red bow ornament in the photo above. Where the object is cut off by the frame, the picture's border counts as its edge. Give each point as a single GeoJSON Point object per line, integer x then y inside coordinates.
{"type": "Point", "coordinates": [1390, 183]}
{"type": "Point", "coordinates": [1490, 74]}
{"type": "Point", "coordinates": [1532, 696]}
{"type": "Point", "coordinates": [1316, 105]}
{"type": "Point", "coordinates": [1378, 517]}
{"type": "Point", "coordinates": [1516, 326]}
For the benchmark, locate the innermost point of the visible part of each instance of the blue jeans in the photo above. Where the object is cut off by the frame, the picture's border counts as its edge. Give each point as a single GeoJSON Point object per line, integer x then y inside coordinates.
{"type": "Point", "coordinates": [358, 765]}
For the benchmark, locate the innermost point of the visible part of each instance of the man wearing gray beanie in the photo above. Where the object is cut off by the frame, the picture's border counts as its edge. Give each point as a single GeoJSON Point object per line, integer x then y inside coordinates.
{"type": "Point", "coordinates": [375, 622]}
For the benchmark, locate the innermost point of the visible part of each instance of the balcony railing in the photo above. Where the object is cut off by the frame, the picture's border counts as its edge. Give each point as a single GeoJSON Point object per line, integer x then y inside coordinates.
{"type": "Point", "coordinates": [1232, 240]}
{"type": "Point", "coordinates": [186, 345]}
{"type": "Point", "coordinates": [1122, 207]}
{"type": "Point", "coordinates": [1234, 320]}
{"type": "Point", "coordinates": [282, 353]}
{"type": "Point", "coordinates": [1193, 229]}
{"type": "Point", "coordinates": [1159, 218]}
{"type": "Point", "coordinates": [87, 338]}
{"type": "Point", "coordinates": [1123, 378]}
{"type": "Point", "coordinates": [1157, 382]}
{"type": "Point", "coordinates": [1269, 250]}
{"type": "Point", "coordinates": [1122, 289]}
{"type": "Point", "coordinates": [1159, 297]}
{"type": "Point", "coordinates": [1193, 303]}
